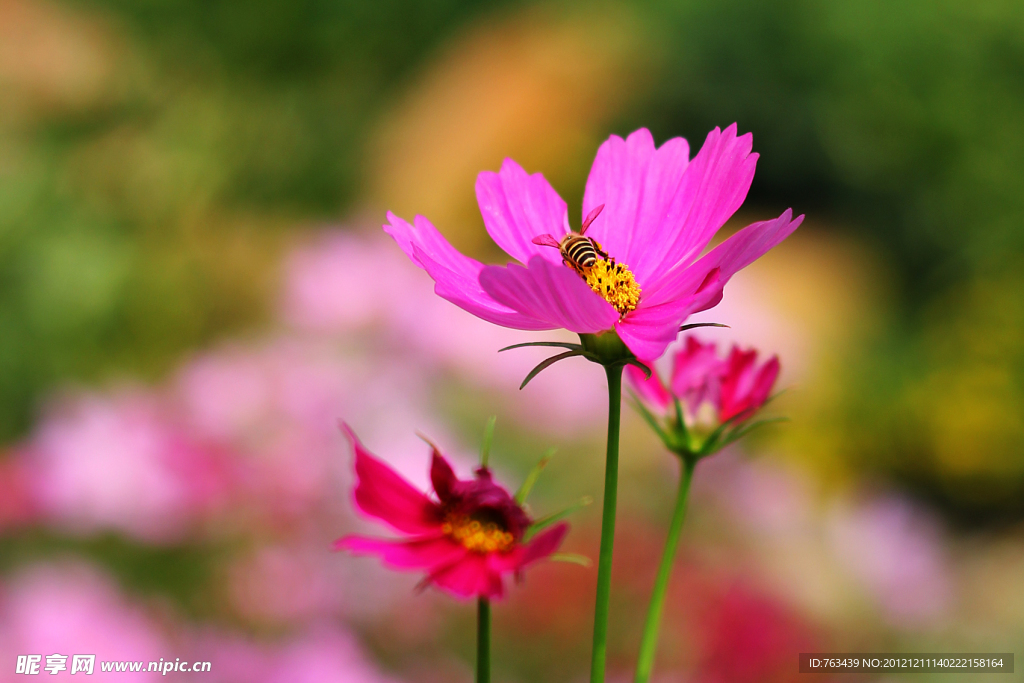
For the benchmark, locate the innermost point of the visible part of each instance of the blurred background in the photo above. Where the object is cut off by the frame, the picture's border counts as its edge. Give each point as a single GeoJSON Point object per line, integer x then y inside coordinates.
{"type": "Point", "coordinates": [194, 287]}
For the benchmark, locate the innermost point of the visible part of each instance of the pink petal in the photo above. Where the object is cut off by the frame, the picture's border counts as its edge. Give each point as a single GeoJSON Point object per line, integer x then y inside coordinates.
{"type": "Point", "coordinates": [617, 179]}
{"type": "Point", "coordinates": [737, 382]}
{"type": "Point", "coordinates": [714, 186]}
{"type": "Point", "coordinates": [517, 207]}
{"type": "Point", "coordinates": [456, 277]}
{"type": "Point", "coordinates": [442, 477]}
{"type": "Point", "coordinates": [699, 287]}
{"type": "Point", "coordinates": [470, 577]}
{"type": "Point", "coordinates": [383, 494]}
{"type": "Point", "coordinates": [697, 373]}
{"type": "Point", "coordinates": [660, 208]}
{"type": "Point", "coordinates": [647, 332]}
{"type": "Point", "coordinates": [765, 381]}
{"type": "Point", "coordinates": [746, 387]}
{"type": "Point", "coordinates": [544, 544]}
{"type": "Point", "coordinates": [649, 390]}
{"type": "Point", "coordinates": [540, 547]}
{"type": "Point", "coordinates": [421, 553]}
{"type": "Point", "coordinates": [552, 293]}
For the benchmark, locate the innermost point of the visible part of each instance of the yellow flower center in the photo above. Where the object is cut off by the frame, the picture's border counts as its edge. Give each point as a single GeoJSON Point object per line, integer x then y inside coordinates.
{"type": "Point", "coordinates": [615, 283]}
{"type": "Point", "coordinates": [476, 535]}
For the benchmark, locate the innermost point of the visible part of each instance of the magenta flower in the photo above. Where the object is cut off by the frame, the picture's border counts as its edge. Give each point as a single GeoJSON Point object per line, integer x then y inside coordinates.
{"type": "Point", "coordinates": [713, 393]}
{"type": "Point", "coordinates": [466, 540]}
{"type": "Point", "coordinates": [646, 274]}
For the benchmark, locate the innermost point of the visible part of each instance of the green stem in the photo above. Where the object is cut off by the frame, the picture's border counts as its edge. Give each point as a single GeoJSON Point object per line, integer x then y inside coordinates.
{"type": "Point", "coordinates": [604, 562]}
{"type": "Point", "coordinates": [483, 641]}
{"type": "Point", "coordinates": [649, 643]}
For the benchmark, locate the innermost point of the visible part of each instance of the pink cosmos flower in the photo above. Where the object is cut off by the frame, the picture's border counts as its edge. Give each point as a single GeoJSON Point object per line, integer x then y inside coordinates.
{"type": "Point", "coordinates": [466, 540]}
{"type": "Point", "coordinates": [660, 211]}
{"type": "Point", "coordinates": [734, 387]}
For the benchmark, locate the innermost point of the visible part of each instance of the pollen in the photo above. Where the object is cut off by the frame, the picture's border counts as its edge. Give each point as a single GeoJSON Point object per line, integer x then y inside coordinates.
{"type": "Point", "coordinates": [614, 282]}
{"type": "Point", "coordinates": [476, 535]}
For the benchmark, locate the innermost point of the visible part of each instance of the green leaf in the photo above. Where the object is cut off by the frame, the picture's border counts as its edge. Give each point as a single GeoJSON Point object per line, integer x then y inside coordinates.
{"type": "Point", "coordinates": [543, 365]}
{"type": "Point", "coordinates": [485, 447]}
{"type": "Point", "coordinates": [692, 326]}
{"type": "Point", "coordinates": [545, 522]}
{"type": "Point", "coordinates": [532, 477]}
{"type": "Point", "coordinates": [563, 345]}
{"type": "Point", "coordinates": [571, 558]}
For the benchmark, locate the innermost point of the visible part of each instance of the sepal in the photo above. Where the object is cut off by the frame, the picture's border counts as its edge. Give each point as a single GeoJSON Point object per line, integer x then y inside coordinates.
{"type": "Point", "coordinates": [572, 558]}
{"type": "Point", "coordinates": [532, 477]}
{"type": "Point", "coordinates": [544, 522]}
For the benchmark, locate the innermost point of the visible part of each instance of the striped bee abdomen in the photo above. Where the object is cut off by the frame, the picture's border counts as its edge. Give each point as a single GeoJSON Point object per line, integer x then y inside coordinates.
{"type": "Point", "coordinates": [612, 280]}
{"type": "Point", "coordinates": [579, 251]}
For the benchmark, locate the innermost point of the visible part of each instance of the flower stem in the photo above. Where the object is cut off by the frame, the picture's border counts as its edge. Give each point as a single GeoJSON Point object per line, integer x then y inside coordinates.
{"type": "Point", "coordinates": [483, 640]}
{"type": "Point", "coordinates": [604, 562]}
{"type": "Point", "coordinates": [649, 643]}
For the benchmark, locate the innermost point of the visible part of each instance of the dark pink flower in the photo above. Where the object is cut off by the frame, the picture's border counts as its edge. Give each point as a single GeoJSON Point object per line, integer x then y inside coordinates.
{"type": "Point", "coordinates": [660, 211]}
{"type": "Point", "coordinates": [466, 540]}
{"type": "Point", "coordinates": [734, 387]}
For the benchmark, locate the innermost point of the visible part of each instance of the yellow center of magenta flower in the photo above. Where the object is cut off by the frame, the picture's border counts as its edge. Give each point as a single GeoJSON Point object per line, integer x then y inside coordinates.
{"type": "Point", "coordinates": [476, 535]}
{"type": "Point", "coordinates": [614, 282]}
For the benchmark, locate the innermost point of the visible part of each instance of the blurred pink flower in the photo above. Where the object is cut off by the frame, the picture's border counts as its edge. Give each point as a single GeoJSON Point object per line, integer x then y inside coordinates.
{"type": "Point", "coordinates": [119, 463]}
{"type": "Point", "coordinates": [894, 549]}
{"type": "Point", "coordinates": [276, 408]}
{"type": "Point", "coordinates": [467, 541]}
{"type": "Point", "coordinates": [774, 502]}
{"type": "Point", "coordinates": [660, 211]}
{"type": "Point", "coordinates": [342, 282]}
{"type": "Point", "coordinates": [72, 609]}
{"type": "Point", "coordinates": [735, 387]}
{"type": "Point", "coordinates": [326, 656]}
{"type": "Point", "coordinates": [323, 654]}
{"type": "Point", "coordinates": [284, 582]}
{"type": "Point", "coordinates": [750, 637]}
{"type": "Point", "coordinates": [243, 395]}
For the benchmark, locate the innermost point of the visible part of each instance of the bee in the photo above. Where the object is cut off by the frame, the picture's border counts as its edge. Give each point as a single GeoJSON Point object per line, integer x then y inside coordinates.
{"type": "Point", "coordinates": [578, 251]}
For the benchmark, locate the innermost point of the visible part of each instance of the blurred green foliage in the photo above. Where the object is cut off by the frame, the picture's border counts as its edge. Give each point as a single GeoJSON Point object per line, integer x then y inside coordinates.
{"type": "Point", "coordinates": [145, 219]}
{"type": "Point", "coordinates": [903, 118]}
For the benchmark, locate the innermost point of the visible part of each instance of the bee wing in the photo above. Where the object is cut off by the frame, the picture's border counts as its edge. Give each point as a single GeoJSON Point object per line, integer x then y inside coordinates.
{"type": "Point", "coordinates": [546, 241]}
{"type": "Point", "coordinates": [590, 217]}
